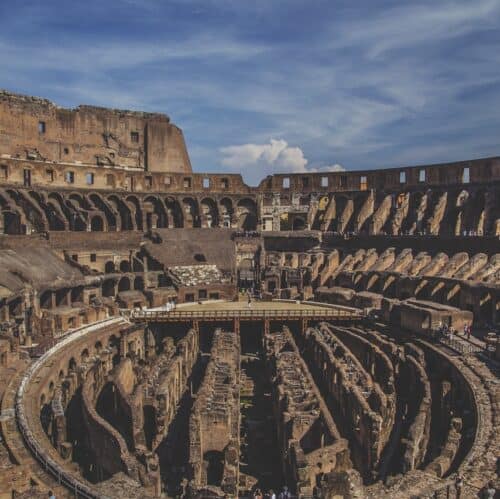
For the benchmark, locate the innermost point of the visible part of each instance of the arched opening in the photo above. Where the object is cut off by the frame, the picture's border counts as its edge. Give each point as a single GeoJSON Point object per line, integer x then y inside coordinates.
{"type": "Point", "coordinates": [45, 413]}
{"type": "Point", "coordinates": [174, 212]}
{"type": "Point", "coordinates": [210, 213]}
{"type": "Point", "coordinates": [149, 415]}
{"type": "Point", "coordinates": [157, 218]}
{"type": "Point", "coordinates": [338, 223]}
{"type": "Point", "coordinates": [108, 288]}
{"type": "Point", "coordinates": [70, 210]}
{"type": "Point", "coordinates": [139, 283]}
{"type": "Point", "coordinates": [299, 224]}
{"type": "Point", "coordinates": [109, 267]}
{"type": "Point", "coordinates": [72, 364]}
{"type": "Point", "coordinates": [124, 284]}
{"type": "Point", "coordinates": [46, 300]}
{"type": "Point", "coordinates": [137, 263]}
{"type": "Point", "coordinates": [84, 356]}
{"type": "Point", "coordinates": [96, 224]}
{"type": "Point", "coordinates": [247, 214]}
{"type": "Point", "coordinates": [116, 412]}
{"type": "Point", "coordinates": [54, 219]}
{"type": "Point", "coordinates": [227, 211]}
{"type": "Point", "coordinates": [12, 224]}
{"type": "Point", "coordinates": [191, 213]}
{"type": "Point", "coordinates": [126, 222]}
{"type": "Point", "coordinates": [104, 207]}
{"type": "Point", "coordinates": [215, 466]}
{"type": "Point", "coordinates": [136, 208]}
{"type": "Point", "coordinates": [124, 266]}
{"type": "Point", "coordinates": [77, 294]}
{"type": "Point", "coordinates": [413, 223]}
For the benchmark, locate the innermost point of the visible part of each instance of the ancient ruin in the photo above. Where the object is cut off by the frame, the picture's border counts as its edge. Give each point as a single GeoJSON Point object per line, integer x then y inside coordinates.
{"type": "Point", "coordinates": [166, 333]}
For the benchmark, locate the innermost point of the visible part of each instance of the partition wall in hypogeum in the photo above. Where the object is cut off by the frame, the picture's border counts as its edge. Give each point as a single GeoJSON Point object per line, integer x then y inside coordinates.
{"type": "Point", "coordinates": [352, 409]}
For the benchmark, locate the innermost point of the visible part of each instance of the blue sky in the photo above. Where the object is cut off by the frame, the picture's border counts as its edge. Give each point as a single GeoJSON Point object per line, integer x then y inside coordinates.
{"type": "Point", "coordinates": [264, 87]}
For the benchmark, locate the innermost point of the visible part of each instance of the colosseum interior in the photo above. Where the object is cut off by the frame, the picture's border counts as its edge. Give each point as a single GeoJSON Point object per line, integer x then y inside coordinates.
{"type": "Point", "coordinates": [166, 333]}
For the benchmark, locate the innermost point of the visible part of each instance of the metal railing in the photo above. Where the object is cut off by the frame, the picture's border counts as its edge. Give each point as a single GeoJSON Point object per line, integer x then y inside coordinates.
{"type": "Point", "coordinates": [52, 467]}
{"type": "Point", "coordinates": [241, 314]}
{"type": "Point", "coordinates": [459, 345]}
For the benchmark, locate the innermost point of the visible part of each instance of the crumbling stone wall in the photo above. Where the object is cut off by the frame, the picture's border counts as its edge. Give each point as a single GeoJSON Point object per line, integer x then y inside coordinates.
{"type": "Point", "coordinates": [214, 425]}
{"type": "Point", "coordinates": [310, 443]}
{"type": "Point", "coordinates": [37, 129]}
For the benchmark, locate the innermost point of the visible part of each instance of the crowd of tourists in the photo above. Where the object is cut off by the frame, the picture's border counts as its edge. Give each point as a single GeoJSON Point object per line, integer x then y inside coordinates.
{"type": "Point", "coordinates": [283, 494]}
{"type": "Point", "coordinates": [446, 331]}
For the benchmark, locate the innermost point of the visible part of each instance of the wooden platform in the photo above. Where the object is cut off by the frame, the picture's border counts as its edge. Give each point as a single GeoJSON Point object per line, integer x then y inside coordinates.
{"type": "Point", "coordinates": [259, 310]}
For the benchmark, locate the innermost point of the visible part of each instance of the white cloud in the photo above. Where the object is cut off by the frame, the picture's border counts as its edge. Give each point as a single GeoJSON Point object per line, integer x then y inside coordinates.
{"type": "Point", "coordinates": [330, 168]}
{"type": "Point", "coordinates": [255, 161]}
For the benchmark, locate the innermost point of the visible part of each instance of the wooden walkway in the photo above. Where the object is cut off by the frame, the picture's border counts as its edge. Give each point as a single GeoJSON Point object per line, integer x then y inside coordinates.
{"type": "Point", "coordinates": [274, 310]}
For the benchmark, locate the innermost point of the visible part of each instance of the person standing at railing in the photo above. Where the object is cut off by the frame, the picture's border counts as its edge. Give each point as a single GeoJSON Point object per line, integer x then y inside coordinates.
{"type": "Point", "coordinates": [51, 495]}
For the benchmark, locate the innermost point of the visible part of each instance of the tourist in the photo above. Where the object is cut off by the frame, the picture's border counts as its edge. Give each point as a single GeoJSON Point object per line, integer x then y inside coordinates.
{"type": "Point", "coordinates": [257, 494]}
{"type": "Point", "coordinates": [285, 493]}
{"type": "Point", "coordinates": [272, 495]}
{"type": "Point", "coordinates": [469, 328]}
{"type": "Point", "coordinates": [249, 297]}
{"type": "Point", "coordinates": [51, 495]}
{"type": "Point", "coordinates": [459, 482]}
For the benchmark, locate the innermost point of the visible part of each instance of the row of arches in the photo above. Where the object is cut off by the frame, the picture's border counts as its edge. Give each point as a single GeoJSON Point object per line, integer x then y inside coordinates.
{"type": "Point", "coordinates": [26, 211]}
{"type": "Point", "coordinates": [450, 212]}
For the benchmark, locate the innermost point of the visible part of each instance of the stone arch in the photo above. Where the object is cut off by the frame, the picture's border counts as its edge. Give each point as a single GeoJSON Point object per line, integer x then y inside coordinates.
{"type": "Point", "coordinates": [475, 212]}
{"type": "Point", "coordinates": [413, 223]}
{"type": "Point", "coordinates": [126, 219]}
{"type": "Point", "coordinates": [453, 218]}
{"type": "Point", "coordinates": [45, 413]}
{"type": "Point", "coordinates": [139, 283]}
{"type": "Point", "coordinates": [77, 294]}
{"type": "Point", "coordinates": [226, 211]}
{"type": "Point", "coordinates": [191, 212]}
{"type": "Point", "coordinates": [75, 215]}
{"type": "Point", "coordinates": [299, 223]}
{"type": "Point", "coordinates": [11, 218]}
{"type": "Point", "coordinates": [124, 284]}
{"type": "Point", "coordinates": [111, 407]}
{"type": "Point", "coordinates": [96, 223]}
{"type": "Point", "coordinates": [108, 288]}
{"type": "Point", "coordinates": [32, 211]}
{"type": "Point", "coordinates": [359, 200]}
{"type": "Point", "coordinates": [101, 205]}
{"type": "Point", "coordinates": [55, 220]}
{"type": "Point", "coordinates": [72, 365]}
{"type": "Point", "coordinates": [80, 200]}
{"type": "Point", "coordinates": [247, 214]}
{"type": "Point", "coordinates": [138, 263]}
{"type": "Point", "coordinates": [174, 212]}
{"type": "Point", "coordinates": [209, 213]}
{"type": "Point", "coordinates": [84, 355]}
{"type": "Point", "coordinates": [134, 203]}
{"type": "Point", "coordinates": [12, 223]}
{"type": "Point", "coordinates": [341, 202]}
{"type": "Point", "coordinates": [109, 267]}
{"type": "Point", "coordinates": [159, 211]}
{"type": "Point", "coordinates": [125, 266]}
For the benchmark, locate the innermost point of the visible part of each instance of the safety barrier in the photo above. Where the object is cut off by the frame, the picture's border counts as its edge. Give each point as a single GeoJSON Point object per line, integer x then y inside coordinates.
{"type": "Point", "coordinates": [50, 465]}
